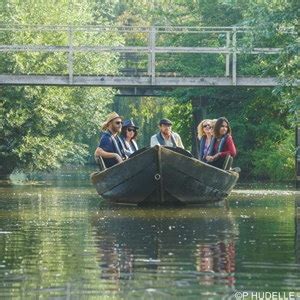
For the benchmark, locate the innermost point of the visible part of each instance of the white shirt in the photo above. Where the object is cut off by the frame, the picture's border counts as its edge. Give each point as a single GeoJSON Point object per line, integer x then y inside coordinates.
{"type": "Point", "coordinates": [168, 142]}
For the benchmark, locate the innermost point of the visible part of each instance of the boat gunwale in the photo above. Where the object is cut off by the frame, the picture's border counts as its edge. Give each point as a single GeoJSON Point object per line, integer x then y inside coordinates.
{"type": "Point", "coordinates": [166, 150]}
{"type": "Point", "coordinates": [232, 173]}
{"type": "Point", "coordinates": [96, 173]}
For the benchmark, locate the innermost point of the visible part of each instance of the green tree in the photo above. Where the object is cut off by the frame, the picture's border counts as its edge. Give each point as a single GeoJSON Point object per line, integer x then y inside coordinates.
{"type": "Point", "coordinates": [44, 127]}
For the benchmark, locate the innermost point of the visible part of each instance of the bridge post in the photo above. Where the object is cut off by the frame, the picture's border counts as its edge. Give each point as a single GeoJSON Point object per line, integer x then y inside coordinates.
{"type": "Point", "coordinates": [70, 54]}
{"type": "Point", "coordinates": [199, 106]}
{"type": "Point", "coordinates": [227, 70]}
{"type": "Point", "coordinates": [234, 57]}
{"type": "Point", "coordinates": [151, 59]}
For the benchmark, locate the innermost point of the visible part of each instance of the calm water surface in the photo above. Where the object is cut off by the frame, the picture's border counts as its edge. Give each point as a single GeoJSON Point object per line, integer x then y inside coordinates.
{"type": "Point", "coordinates": [58, 240]}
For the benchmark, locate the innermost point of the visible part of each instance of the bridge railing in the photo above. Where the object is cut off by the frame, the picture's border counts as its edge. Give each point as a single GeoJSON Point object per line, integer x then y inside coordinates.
{"type": "Point", "coordinates": [150, 44]}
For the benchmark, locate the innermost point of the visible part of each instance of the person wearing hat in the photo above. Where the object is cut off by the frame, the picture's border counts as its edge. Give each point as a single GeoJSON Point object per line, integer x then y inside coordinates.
{"type": "Point", "coordinates": [166, 137]}
{"type": "Point", "coordinates": [128, 137]}
{"type": "Point", "coordinates": [111, 148]}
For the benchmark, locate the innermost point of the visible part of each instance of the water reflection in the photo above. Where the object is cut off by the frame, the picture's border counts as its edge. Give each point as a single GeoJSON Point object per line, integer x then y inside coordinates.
{"type": "Point", "coordinates": [175, 248]}
{"type": "Point", "coordinates": [63, 243]}
{"type": "Point", "coordinates": [218, 258]}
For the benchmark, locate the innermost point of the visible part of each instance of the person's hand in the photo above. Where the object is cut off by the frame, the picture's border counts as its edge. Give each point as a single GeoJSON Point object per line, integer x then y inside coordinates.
{"type": "Point", "coordinates": [118, 158]}
{"type": "Point", "coordinates": [215, 157]}
{"type": "Point", "coordinates": [98, 152]}
{"type": "Point", "coordinates": [209, 158]}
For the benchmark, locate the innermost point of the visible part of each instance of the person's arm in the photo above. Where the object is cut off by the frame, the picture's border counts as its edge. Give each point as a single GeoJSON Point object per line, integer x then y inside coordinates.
{"type": "Point", "coordinates": [179, 141]}
{"type": "Point", "coordinates": [104, 149]}
{"type": "Point", "coordinates": [154, 141]}
{"type": "Point", "coordinates": [100, 152]}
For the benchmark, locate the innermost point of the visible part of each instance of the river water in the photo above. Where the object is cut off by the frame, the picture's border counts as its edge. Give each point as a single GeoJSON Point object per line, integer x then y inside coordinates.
{"type": "Point", "coordinates": [59, 240]}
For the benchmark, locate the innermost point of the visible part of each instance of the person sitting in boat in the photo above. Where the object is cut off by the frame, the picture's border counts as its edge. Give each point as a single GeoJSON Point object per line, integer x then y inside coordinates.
{"type": "Point", "coordinates": [111, 148]}
{"type": "Point", "coordinates": [166, 137]}
{"type": "Point", "coordinates": [221, 145]}
{"type": "Point", "coordinates": [205, 137]}
{"type": "Point", "coordinates": [128, 137]}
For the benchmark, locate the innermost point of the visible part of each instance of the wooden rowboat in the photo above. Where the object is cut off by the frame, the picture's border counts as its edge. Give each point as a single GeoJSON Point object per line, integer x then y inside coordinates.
{"type": "Point", "coordinates": [162, 175]}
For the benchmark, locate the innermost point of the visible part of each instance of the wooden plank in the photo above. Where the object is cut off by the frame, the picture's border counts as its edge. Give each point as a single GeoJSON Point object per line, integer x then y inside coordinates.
{"type": "Point", "coordinates": [159, 176]}
{"type": "Point", "coordinates": [141, 92]}
{"type": "Point", "coordinates": [134, 190]}
{"type": "Point", "coordinates": [115, 81]}
{"type": "Point", "coordinates": [192, 181]}
{"type": "Point", "coordinates": [135, 49]}
{"type": "Point", "coordinates": [124, 28]}
{"type": "Point", "coordinates": [116, 175]}
{"type": "Point", "coordinates": [42, 48]}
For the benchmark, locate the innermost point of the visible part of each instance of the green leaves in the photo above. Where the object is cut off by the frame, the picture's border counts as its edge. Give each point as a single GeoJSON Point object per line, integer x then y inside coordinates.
{"type": "Point", "coordinates": [43, 128]}
{"type": "Point", "coordinates": [275, 160]}
{"type": "Point", "coordinates": [46, 153]}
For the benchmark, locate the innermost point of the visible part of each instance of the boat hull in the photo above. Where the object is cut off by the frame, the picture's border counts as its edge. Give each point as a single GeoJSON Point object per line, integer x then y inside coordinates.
{"type": "Point", "coordinates": [160, 176]}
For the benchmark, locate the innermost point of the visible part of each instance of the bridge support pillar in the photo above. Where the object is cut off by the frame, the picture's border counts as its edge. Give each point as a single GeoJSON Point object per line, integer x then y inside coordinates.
{"type": "Point", "coordinates": [199, 106]}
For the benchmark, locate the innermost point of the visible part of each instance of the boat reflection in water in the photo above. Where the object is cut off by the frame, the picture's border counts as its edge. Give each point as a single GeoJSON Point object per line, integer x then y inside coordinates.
{"type": "Point", "coordinates": [217, 258]}
{"type": "Point", "coordinates": [167, 252]}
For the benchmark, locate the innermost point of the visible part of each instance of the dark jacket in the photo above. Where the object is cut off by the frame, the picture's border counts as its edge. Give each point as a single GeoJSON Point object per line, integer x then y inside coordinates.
{"type": "Point", "coordinates": [111, 144]}
{"type": "Point", "coordinates": [162, 142]}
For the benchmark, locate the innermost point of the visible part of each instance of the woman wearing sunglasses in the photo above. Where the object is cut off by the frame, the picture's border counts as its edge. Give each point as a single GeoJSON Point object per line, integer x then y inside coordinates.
{"type": "Point", "coordinates": [221, 145]}
{"type": "Point", "coordinates": [205, 137]}
{"type": "Point", "coordinates": [128, 136]}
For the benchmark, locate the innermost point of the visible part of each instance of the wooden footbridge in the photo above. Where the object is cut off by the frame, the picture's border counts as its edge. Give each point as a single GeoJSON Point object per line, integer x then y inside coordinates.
{"type": "Point", "coordinates": [152, 50]}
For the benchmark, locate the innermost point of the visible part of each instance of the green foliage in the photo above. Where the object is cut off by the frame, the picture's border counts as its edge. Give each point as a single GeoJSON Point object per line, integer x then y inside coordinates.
{"type": "Point", "coordinates": [146, 113]}
{"type": "Point", "coordinates": [277, 22]}
{"type": "Point", "coordinates": [1, 116]}
{"type": "Point", "coordinates": [181, 114]}
{"type": "Point", "coordinates": [46, 153]}
{"type": "Point", "coordinates": [45, 127]}
{"type": "Point", "coordinates": [275, 160]}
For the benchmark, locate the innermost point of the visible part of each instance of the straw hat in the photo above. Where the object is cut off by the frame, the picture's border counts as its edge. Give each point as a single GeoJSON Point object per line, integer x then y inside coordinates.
{"type": "Point", "coordinates": [109, 118]}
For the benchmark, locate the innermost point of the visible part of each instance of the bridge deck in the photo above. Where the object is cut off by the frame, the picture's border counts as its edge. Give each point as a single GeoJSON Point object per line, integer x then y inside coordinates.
{"type": "Point", "coordinates": [227, 41]}
{"type": "Point", "coordinates": [114, 81]}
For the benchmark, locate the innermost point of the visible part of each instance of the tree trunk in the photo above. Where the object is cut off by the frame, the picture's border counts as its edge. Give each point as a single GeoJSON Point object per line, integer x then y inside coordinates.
{"type": "Point", "coordinates": [8, 164]}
